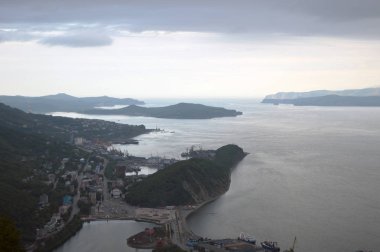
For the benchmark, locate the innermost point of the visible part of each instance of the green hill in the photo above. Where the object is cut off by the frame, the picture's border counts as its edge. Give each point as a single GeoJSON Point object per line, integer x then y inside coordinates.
{"type": "Point", "coordinates": [63, 102]}
{"type": "Point", "coordinates": [177, 111]}
{"type": "Point", "coordinates": [22, 157]}
{"type": "Point", "coordinates": [63, 128]}
{"type": "Point", "coordinates": [187, 182]}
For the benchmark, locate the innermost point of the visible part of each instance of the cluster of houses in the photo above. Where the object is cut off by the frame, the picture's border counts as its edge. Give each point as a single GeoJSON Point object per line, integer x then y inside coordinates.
{"type": "Point", "coordinates": [58, 177]}
{"type": "Point", "coordinates": [61, 173]}
{"type": "Point", "coordinates": [97, 146]}
{"type": "Point", "coordinates": [54, 225]}
{"type": "Point", "coordinates": [56, 222]}
{"type": "Point", "coordinates": [69, 179]}
{"type": "Point", "coordinates": [91, 186]}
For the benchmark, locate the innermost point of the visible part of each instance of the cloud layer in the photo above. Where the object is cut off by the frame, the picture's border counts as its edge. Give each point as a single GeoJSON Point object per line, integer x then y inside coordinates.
{"type": "Point", "coordinates": [257, 18]}
{"type": "Point", "coordinates": [78, 40]}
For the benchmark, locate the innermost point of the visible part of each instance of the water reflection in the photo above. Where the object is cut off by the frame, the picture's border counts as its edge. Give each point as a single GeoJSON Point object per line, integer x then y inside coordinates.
{"type": "Point", "coordinates": [100, 236]}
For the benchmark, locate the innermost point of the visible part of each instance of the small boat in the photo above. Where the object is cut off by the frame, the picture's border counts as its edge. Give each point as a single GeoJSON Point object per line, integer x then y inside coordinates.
{"type": "Point", "coordinates": [270, 246]}
{"type": "Point", "coordinates": [247, 238]}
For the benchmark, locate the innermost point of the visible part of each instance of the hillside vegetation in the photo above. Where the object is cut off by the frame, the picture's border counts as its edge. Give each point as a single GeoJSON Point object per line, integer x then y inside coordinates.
{"type": "Point", "coordinates": [33, 146]}
{"type": "Point", "coordinates": [187, 182]}
{"type": "Point", "coordinates": [22, 157]}
{"type": "Point", "coordinates": [62, 102]}
{"type": "Point", "coordinates": [62, 127]}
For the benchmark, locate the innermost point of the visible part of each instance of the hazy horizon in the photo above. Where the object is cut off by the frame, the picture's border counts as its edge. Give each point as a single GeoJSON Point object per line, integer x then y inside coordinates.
{"type": "Point", "coordinates": [176, 98]}
{"type": "Point", "coordinates": [172, 49]}
{"type": "Point", "coordinates": [145, 97]}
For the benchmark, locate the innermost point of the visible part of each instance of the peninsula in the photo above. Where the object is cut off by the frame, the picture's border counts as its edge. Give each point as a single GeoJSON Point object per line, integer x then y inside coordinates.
{"type": "Point", "coordinates": [177, 111]}
{"type": "Point", "coordinates": [63, 102]}
{"type": "Point", "coordinates": [192, 181]}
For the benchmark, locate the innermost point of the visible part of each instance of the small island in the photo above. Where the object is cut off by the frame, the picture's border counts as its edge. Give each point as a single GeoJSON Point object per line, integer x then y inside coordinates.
{"type": "Point", "coordinates": [177, 111]}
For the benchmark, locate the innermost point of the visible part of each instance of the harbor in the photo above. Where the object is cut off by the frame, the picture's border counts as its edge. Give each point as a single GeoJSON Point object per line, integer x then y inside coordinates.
{"type": "Point", "coordinates": [223, 209]}
{"type": "Point", "coordinates": [171, 219]}
{"type": "Point", "coordinates": [173, 223]}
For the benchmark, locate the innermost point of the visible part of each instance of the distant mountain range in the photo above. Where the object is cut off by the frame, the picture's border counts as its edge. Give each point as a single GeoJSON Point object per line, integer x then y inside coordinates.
{"type": "Point", "coordinates": [177, 111]}
{"type": "Point", "coordinates": [368, 97]}
{"type": "Point", "coordinates": [63, 102]}
{"type": "Point", "coordinates": [349, 92]}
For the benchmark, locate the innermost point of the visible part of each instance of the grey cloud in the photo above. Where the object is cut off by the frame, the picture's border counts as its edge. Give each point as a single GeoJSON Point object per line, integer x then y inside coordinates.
{"type": "Point", "coordinates": [60, 35]}
{"type": "Point", "coordinates": [342, 18]}
{"type": "Point", "coordinates": [15, 35]}
{"type": "Point", "coordinates": [78, 40]}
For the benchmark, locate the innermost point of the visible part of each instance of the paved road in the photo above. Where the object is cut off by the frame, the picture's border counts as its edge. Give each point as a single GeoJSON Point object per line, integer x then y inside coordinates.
{"type": "Point", "coordinates": [106, 195]}
{"type": "Point", "coordinates": [75, 209]}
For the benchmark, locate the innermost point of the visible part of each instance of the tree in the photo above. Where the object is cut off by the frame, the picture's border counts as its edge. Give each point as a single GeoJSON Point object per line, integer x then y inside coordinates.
{"type": "Point", "coordinates": [9, 236]}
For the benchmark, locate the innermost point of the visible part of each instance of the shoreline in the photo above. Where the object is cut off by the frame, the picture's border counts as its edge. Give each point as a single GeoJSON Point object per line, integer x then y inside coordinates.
{"type": "Point", "coordinates": [194, 211]}
{"type": "Point", "coordinates": [183, 219]}
{"type": "Point", "coordinates": [184, 215]}
{"type": "Point", "coordinates": [176, 219]}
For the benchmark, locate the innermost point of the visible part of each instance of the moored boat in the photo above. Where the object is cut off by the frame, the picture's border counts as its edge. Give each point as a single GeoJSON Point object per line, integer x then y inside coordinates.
{"type": "Point", "coordinates": [247, 238]}
{"type": "Point", "coordinates": [270, 246]}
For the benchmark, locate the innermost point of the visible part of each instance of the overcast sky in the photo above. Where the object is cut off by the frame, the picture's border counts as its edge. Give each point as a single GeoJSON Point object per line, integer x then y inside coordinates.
{"type": "Point", "coordinates": [192, 48]}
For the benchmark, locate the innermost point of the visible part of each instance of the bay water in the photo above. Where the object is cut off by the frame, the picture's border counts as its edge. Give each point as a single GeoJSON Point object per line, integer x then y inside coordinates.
{"type": "Point", "coordinates": [311, 172]}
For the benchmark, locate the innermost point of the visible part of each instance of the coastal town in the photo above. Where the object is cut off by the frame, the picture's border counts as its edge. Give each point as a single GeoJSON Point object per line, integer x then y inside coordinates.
{"type": "Point", "coordinates": [91, 182]}
{"type": "Point", "coordinates": [95, 185]}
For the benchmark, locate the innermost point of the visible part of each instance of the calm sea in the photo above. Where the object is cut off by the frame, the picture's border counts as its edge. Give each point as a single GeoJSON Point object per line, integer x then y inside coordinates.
{"type": "Point", "coordinates": [312, 172]}
{"type": "Point", "coordinates": [104, 236]}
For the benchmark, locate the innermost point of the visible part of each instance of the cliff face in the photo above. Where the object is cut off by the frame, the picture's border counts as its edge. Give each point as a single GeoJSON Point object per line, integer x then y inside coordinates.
{"type": "Point", "coordinates": [187, 182]}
